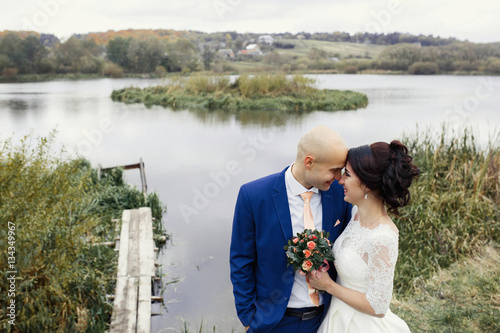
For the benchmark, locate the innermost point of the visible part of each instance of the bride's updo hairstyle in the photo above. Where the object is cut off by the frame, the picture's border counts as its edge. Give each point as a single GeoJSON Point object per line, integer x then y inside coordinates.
{"type": "Point", "coordinates": [387, 170]}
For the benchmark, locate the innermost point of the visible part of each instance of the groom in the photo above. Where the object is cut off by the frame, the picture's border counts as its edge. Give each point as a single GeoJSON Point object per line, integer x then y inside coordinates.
{"type": "Point", "coordinates": [269, 296]}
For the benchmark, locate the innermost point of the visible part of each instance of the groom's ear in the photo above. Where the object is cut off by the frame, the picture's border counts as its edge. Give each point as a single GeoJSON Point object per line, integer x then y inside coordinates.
{"type": "Point", "coordinates": [308, 162]}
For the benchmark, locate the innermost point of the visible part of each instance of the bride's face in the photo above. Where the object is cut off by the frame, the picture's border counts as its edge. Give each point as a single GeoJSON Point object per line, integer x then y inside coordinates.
{"type": "Point", "coordinates": [354, 190]}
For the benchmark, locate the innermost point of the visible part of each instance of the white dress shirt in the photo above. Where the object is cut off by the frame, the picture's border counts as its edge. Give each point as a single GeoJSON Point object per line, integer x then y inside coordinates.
{"type": "Point", "coordinates": [300, 295]}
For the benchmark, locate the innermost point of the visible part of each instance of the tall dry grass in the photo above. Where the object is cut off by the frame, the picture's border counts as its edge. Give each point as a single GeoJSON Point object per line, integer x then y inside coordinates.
{"type": "Point", "coordinates": [454, 210]}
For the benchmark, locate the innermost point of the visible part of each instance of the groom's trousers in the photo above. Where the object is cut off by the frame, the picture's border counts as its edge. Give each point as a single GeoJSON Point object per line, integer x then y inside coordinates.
{"type": "Point", "coordinates": [294, 324]}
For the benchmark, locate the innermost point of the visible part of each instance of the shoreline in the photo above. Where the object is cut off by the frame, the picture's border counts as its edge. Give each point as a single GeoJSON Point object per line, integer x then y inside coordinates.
{"type": "Point", "coordinates": [30, 78]}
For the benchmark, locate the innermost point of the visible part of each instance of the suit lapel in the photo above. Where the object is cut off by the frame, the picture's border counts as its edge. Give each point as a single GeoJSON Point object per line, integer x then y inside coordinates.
{"type": "Point", "coordinates": [281, 205]}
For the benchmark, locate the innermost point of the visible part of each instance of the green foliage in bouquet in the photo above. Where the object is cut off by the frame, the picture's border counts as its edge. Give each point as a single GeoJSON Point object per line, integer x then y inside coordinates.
{"type": "Point", "coordinates": [309, 250]}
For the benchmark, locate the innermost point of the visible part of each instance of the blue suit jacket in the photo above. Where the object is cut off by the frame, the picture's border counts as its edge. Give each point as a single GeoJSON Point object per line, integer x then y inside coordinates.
{"type": "Point", "coordinates": [262, 226]}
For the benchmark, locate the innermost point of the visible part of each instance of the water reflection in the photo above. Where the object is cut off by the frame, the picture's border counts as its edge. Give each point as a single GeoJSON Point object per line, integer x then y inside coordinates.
{"type": "Point", "coordinates": [264, 118]}
{"type": "Point", "coordinates": [19, 106]}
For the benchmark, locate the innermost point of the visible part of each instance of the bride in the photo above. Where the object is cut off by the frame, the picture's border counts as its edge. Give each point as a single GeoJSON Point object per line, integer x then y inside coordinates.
{"type": "Point", "coordinates": [376, 177]}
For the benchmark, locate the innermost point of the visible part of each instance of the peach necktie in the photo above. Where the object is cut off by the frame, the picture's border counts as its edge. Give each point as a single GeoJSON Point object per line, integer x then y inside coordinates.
{"type": "Point", "coordinates": [308, 216]}
{"type": "Point", "coordinates": [309, 224]}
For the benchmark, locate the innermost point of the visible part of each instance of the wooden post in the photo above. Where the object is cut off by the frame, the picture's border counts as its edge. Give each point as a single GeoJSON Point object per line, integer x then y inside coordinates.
{"type": "Point", "coordinates": [143, 179]}
{"type": "Point", "coordinates": [142, 171]}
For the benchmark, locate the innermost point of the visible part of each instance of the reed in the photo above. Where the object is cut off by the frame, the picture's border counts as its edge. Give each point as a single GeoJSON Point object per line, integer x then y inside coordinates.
{"type": "Point", "coordinates": [259, 92]}
{"type": "Point", "coordinates": [454, 210]}
{"type": "Point", "coordinates": [59, 209]}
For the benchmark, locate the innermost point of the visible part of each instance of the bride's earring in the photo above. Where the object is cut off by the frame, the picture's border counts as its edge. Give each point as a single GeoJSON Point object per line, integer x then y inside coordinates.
{"type": "Point", "coordinates": [366, 195]}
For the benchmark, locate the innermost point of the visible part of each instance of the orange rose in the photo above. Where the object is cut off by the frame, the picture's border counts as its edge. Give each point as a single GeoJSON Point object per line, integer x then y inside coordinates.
{"type": "Point", "coordinates": [311, 245]}
{"type": "Point", "coordinates": [295, 240]}
{"type": "Point", "coordinates": [307, 253]}
{"type": "Point", "coordinates": [307, 265]}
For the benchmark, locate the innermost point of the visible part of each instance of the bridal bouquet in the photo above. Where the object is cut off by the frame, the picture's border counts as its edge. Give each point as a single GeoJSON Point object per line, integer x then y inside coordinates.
{"type": "Point", "coordinates": [309, 250]}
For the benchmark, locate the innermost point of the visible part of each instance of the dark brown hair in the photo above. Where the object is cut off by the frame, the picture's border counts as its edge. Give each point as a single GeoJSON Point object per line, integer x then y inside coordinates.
{"type": "Point", "coordinates": [387, 170]}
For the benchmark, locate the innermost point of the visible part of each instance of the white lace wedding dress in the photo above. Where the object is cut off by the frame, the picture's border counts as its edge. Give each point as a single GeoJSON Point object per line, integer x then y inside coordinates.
{"type": "Point", "coordinates": [365, 260]}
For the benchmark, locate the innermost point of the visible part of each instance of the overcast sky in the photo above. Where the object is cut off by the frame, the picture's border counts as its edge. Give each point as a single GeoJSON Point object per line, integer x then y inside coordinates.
{"type": "Point", "coordinates": [477, 21]}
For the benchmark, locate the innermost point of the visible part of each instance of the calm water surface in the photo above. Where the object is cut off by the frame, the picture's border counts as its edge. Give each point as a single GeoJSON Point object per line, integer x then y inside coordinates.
{"type": "Point", "coordinates": [197, 160]}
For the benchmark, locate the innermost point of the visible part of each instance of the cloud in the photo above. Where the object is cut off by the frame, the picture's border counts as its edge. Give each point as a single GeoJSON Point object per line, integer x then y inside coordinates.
{"type": "Point", "coordinates": [476, 21]}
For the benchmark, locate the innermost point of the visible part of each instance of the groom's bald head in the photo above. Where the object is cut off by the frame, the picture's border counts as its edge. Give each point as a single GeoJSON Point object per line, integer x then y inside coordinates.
{"type": "Point", "coordinates": [321, 155]}
{"type": "Point", "coordinates": [321, 143]}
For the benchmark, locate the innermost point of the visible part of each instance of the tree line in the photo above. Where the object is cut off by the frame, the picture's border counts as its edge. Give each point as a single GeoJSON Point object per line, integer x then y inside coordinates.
{"type": "Point", "coordinates": [458, 57]}
{"type": "Point", "coordinates": [83, 55]}
{"type": "Point", "coordinates": [195, 51]}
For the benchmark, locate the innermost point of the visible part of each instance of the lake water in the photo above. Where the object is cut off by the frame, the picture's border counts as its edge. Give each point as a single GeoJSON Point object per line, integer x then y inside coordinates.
{"type": "Point", "coordinates": [197, 160]}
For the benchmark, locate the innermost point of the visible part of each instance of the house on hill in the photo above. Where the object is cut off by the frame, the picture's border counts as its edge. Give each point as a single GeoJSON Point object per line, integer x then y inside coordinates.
{"type": "Point", "coordinates": [253, 49]}
{"type": "Point", "coordinates": [226, 53]}
{"type": "Point", "coordinates": [266, 39]}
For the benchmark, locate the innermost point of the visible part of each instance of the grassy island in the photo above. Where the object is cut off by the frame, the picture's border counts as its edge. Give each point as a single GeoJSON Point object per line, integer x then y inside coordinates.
{"type": "Point", "coordinates": [260, 92]}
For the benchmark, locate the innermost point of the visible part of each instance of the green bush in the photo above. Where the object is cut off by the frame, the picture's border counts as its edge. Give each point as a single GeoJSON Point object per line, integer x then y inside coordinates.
{"type": "Point", "coordinates": [10, 72]}
{"type": "Point", "coordinates": [286, 68]}
{"type": "Point", "coordinates": [460, 65]}
{"type": "Point", "coordinates": [423, 68]}
{"type": "Point", "coordinates": [494, 66]}
{"type": "Point", "coordinates": [4, 62]}
{"type": "Point", "coordinates": [160, 71]}
{"type": "Point", "coordinates": [351, 70]}
{"type": "Point", "coordinates": [47, 65]}
{"type": "Point", "coordinates": [112, 70]}
{"type": "Point", "coordinates": [90, 64]}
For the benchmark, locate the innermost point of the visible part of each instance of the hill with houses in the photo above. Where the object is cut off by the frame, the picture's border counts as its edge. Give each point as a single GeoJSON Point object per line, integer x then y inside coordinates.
{"type": "Point", "coordinates": [158, 52]}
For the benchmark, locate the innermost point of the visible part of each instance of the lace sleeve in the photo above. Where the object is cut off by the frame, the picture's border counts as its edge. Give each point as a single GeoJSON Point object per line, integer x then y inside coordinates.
{"type": "Point", "coordinates": [382, 256]}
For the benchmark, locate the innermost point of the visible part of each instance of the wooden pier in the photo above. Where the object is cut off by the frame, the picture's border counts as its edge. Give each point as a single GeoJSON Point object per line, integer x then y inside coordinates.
{"type": "Point", "coordinates": [136, 269]}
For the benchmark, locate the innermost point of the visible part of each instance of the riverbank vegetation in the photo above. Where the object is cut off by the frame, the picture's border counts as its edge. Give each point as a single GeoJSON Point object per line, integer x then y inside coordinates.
{"type": "Point", "coordinates": [61, 212]}
{"type": "Point", "coordinates": [259, 92]}
{"type": "Point", "coordinates": [26, 55]}
{"type": "Point", "coordinates": [455, 204]}
{"type": "Point", "coordinates": [462, 298]}
{"type": "Point", "coordinates": [448, 267]}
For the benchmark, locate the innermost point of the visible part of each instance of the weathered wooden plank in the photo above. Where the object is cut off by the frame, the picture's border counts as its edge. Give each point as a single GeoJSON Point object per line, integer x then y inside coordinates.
{"type": "Point", "coordinates": [130, 312]}
{"type": "Point", "coordinates": [124, 240]}
{"type": "Point", "coordinates": [146, 245]}
{"type": "Point", "coordinates": [118, 318]}
{"type": "Point", "coordinates": [133, 246]}
{"type": "Point", "coordinates": [144, 305]}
